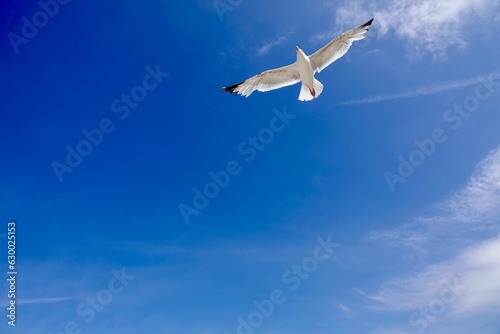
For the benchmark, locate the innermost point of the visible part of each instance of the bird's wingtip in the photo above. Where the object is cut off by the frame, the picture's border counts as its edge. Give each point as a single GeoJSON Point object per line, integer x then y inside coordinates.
{"type": "Point", "coordinates": [232, 89]}
{"type": "Point", "coordinates": [368, 23]}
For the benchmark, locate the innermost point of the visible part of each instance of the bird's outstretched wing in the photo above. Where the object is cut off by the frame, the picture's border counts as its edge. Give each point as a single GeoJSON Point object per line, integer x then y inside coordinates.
{"type": "Point", "coordinates": [266, 81]}
{"type": "Point", "coordinates": [337, 47]}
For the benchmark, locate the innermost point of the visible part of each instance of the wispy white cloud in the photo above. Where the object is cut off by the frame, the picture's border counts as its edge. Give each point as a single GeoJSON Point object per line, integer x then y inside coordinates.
{"type": "Point", "coordinates": [347, 311]}
{"type": "Point", "coordinates": [264, 49]}
{"type": "Point", "coordinates": [469, 283]}
{"type": "Point", "coordinates": [464, 282]}
{"type": "Point", "coordinates": [412, 235]}
{"type": "Point", "coordinates": [476, 203]}
{"type": "Point", "coordinates": [411, 292]}
{"type": "Point", "coordinates": [481, 276]}
{"type": "Point", "coordinates": [475, 206]}
{"type": "Point", "coordinates": [427, 26]}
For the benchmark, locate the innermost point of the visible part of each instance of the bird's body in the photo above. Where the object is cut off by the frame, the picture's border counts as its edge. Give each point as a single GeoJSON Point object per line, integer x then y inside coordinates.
{"type": "Point", "coordinates": [311, 87]}
{"type": "Point", "coordinates": [303, 69]}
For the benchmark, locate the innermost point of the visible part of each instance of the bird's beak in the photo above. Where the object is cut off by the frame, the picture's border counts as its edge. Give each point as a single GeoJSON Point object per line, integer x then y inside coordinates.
{"type": "Point", "coordinates": [296, 49]}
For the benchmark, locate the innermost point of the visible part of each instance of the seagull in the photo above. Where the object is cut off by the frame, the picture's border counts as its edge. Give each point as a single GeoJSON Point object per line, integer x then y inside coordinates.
{"type": "Point", "coordinates": [303, 69]}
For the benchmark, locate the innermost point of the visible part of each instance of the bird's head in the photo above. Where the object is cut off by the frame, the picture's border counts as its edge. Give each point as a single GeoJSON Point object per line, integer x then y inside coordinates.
{"type": "Point", "coordinates": [300, 53]}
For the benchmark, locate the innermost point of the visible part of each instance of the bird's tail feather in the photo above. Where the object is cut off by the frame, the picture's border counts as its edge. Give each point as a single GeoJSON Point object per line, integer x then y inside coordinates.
{"type": "Point", "coordinates": [318, 87]}
{"type": "Point", "coordinates": [306, 94]}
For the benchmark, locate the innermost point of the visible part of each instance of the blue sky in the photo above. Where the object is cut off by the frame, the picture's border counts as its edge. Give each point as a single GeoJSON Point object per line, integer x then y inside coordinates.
{"type": "Point", "coordinates": [372, 209]}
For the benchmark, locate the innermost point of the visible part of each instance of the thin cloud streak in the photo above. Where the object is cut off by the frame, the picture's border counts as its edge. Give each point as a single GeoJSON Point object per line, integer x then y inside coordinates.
{"type": "Point", "coordinates": [347, 311]}
{"type": "Point", "coordinates": [421, 91]}
{"type": "Point", "coordinates": [264, 49]}
{"type": "Point", "coordinates": [45, 300]}
{"type": "Point", "coordinates": [41, 301]}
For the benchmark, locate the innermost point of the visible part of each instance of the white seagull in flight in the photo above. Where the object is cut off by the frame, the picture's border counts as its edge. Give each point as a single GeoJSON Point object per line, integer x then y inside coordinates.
{"type": "Point", "coordinates": [303, 69]}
